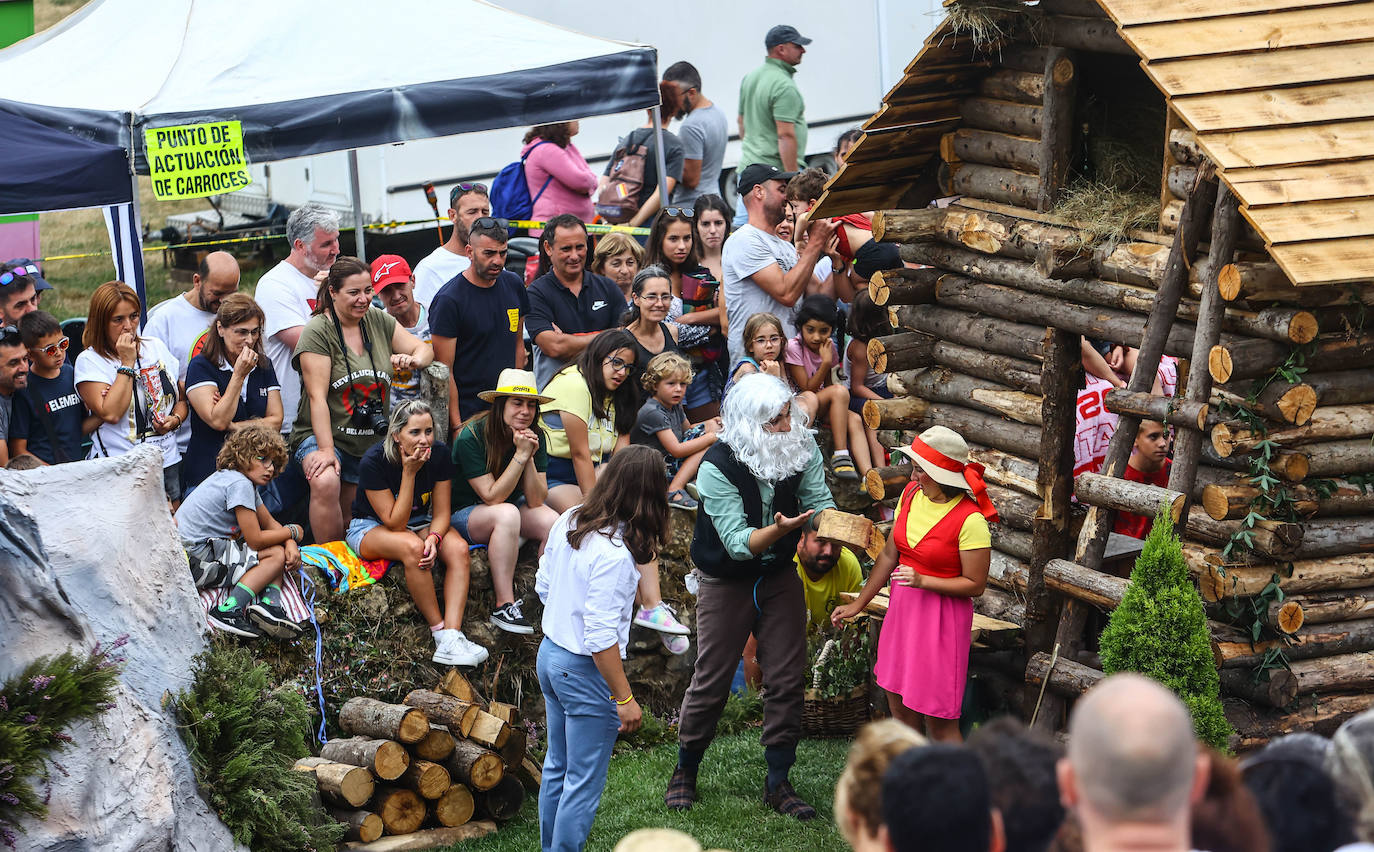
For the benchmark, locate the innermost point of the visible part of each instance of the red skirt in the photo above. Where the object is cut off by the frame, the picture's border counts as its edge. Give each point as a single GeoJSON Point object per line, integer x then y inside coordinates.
{"type": "Point", "coordinates": [923, 650]}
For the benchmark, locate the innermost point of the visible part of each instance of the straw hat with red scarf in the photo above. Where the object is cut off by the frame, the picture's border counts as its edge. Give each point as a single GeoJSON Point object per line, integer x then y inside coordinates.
{"type": "Point", "coordinates": [943, 455]}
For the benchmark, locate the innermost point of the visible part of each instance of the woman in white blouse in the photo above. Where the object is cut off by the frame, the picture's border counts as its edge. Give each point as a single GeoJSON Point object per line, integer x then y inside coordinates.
{"type": "Point", "coordinates": [587, 580]}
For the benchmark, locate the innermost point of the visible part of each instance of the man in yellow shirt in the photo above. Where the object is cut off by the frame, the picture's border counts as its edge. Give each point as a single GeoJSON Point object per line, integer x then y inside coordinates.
{"type": "Point", "coordinates": [826, 568]}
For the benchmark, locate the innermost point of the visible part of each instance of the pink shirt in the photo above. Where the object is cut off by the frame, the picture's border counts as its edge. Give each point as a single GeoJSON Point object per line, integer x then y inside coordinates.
{"type": "Point", "coordinates": [797, 353]}
{"type": "Point", "coordinates": [572, 186]}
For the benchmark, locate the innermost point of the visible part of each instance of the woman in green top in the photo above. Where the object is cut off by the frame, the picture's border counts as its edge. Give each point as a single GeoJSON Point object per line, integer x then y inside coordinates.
{"type": "Point", "coordinates": [345, 355]}
{"type": "Point", "coordinates": [499, 486]}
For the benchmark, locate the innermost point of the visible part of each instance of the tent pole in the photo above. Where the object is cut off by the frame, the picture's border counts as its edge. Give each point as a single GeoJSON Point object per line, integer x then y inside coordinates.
{"type": "Point", "coordinates": [358, 230]}
{"type": "Point", "coordinates": [664, 200]}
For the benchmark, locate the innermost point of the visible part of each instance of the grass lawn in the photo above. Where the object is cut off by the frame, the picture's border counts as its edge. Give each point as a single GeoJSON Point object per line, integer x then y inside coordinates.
{"type": "Point", "coordinates": [729, 814]}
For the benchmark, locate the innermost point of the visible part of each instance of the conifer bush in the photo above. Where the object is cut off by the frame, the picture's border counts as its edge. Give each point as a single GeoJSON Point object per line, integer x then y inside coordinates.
{"type": "Point", "coordinates": [244, 737]}
{"type": "Point", "coordinates": [1160, 630]}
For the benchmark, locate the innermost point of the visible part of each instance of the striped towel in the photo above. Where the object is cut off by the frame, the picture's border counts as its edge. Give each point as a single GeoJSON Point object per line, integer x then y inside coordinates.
{"type": "Point", "coordinates": [291, 598]}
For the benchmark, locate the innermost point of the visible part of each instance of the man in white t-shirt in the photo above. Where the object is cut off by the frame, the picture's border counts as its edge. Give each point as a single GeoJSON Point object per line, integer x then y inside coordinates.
{"type": "Point", "coordinates": [467, 202]}
{"type": "Point", "coordinates": [182, 321]}
{"type": "Point", "coordinates": [762, 271]}
{"type": "Point", "coordinates": [287, 295]}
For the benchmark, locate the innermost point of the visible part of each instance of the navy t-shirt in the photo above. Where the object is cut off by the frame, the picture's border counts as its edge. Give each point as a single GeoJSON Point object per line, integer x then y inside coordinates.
{"type": "Point", "coordinates": [199, 458]}
{"type": "Point", "coordinates": [59, 399]}
{"type": "Point", "coordinates": [375, 473]}
{"type": "Point", "coordinates": [599, 305]}
{"type": "Point", "coordinates": [485, 323]}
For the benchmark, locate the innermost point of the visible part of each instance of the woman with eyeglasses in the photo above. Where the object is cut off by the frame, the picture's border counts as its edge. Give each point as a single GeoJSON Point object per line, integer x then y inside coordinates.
{"type": "Point", "coordinates": [560, 181]}
{"type": "Point", "coordinates": [345, 354]}
{"type": "Point", "coordinates": [230, 384]}
{"type": "Point", "coordinates": [129, 382]}
{"type": "Point", "coordinates": [650, 297]}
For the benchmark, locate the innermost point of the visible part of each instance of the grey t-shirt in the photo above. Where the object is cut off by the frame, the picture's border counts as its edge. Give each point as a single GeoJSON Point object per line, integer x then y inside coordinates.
{"type": "Point", "coordinates": [703, 133]}
{"type": "Point", "coordinates": [653, 418]}
{"type": "Point", "coordinates": [745, 252]}
{"type": "Point", "coordinates": [6, 403]}
{"type": "Point", "coordinates": [209, 511]}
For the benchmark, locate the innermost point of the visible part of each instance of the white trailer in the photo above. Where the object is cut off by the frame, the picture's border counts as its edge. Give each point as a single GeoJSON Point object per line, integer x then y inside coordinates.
{"type": "Point", "coordinates": [858, 53]}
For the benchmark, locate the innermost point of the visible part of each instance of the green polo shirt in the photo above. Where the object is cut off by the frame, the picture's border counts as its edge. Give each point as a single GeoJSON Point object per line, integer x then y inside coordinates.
{"type": "Point", "coordinates": [768, 94]}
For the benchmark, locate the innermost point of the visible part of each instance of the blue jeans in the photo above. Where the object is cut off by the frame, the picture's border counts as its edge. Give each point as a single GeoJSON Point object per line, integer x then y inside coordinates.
{"type": "Point", "coordinates": [581, 723]}
{"type": "Point", "coordinates": [741, 215]}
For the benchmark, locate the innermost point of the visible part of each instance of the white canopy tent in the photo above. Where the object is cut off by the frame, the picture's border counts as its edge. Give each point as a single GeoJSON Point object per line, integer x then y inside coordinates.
{"type": "Point", "coordinates": [306, 78]}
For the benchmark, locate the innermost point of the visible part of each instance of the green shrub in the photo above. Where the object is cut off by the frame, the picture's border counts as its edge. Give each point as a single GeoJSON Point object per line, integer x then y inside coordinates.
{"type": "Point", "coordinates": [1160, 630]}
{"type": "Point", "coordinates": [244, 737]}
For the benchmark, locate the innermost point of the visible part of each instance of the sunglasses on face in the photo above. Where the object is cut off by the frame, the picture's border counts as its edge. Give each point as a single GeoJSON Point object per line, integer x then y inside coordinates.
{"type": "Point", "coordinates": [680, 212]}
{"type": "Point", "coordinates": [618, 364]}
{"type": "Point", "coordinates": [7, 278]}
{"type": "Point", "coordinates": [53, 348]}
{"type": "Point", "coordinates": [490, 222]}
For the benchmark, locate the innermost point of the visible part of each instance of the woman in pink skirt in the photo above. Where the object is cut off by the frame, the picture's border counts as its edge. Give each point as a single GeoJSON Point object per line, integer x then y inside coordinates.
{"type": "Point", "coordinates": [938, 557]}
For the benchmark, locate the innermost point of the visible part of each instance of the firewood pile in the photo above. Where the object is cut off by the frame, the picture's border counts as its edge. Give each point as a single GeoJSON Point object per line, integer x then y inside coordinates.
{"type": "Point", "coordinates": [442, 767]}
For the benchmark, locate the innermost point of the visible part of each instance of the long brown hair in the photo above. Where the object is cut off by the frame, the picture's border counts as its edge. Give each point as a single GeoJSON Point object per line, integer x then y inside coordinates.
{"type": "Point", "coordinates": [496, 432]}
{"type": "Point", "coordinates": [104, 302]}
{"type": "Point", "coordinates": [629, 499]}
{"type": "Point", "coordinates": [236, 308]}
{"type": "Point", "coordinates": [343, 268]}
{"type": "Point", "coordinates": [654, 255]}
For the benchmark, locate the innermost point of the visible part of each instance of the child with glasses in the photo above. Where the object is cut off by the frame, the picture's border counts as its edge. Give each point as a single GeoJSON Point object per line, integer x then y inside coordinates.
{"type": "Point", "coordinates": [233, 542]}
{"type": "Point", "coordinates": [49, 420]}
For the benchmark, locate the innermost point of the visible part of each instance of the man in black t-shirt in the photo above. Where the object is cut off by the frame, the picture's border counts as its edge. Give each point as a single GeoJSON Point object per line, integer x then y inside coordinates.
{"type": "Point", "coordinates": [485, 308]}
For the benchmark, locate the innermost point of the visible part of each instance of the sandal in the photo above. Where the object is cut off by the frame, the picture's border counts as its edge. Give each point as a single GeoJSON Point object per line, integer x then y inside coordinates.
{"type": "Point", "coordinates": [681, 499]}
{"type": "Point", "coordinates": [843, 468]}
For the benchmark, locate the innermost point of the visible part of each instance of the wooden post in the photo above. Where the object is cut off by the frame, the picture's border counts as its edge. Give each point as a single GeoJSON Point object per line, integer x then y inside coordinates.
{"type": "Point", "coordinates": [1060, 378]}
{"type": "Point", "coordinates": [1188, 447]}
{"type": "Point", "coordinates": [1056, 131]}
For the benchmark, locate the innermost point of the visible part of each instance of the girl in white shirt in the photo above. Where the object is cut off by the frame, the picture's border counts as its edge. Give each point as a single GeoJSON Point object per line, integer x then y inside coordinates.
{"type": "Point", "coordinates": [587, 580]}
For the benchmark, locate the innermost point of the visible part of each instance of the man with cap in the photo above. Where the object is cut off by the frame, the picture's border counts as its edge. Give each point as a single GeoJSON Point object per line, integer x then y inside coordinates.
{"type": "Point", "coordinates": [394, 284]}
{"type": "Point", "coordinates": [762, 271]}
{"type": "Point", "coordinates": [772, 114]}
{"type": "Point", "coordinates": [760, 484]}
{"type": "Point", "coordinates": [20, 286]}
{"type": "Point", "coordinates": [467, 202]}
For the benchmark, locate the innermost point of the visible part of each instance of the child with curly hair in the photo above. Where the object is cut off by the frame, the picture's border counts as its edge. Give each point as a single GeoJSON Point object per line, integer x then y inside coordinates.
{"type": "Point", "coordinates": [662, 424]}
{"type": "Point", "coordinates": [233, 542]}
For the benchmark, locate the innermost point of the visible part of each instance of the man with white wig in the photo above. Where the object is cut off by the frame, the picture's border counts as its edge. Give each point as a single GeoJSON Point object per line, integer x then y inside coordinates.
{"type": "Point", "coordinates": [760, 484]}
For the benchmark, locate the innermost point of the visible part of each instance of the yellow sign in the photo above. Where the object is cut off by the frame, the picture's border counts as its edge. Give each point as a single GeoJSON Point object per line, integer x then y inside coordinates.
{"type": "Point", "coordinates": [196, 160]}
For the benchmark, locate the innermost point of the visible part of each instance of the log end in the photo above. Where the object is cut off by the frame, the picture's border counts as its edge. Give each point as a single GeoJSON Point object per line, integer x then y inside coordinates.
{"type": "Point", "coordinates": [877, 355]}
{"type": "Point", "coordinates": [1291, 466]}
{"type": "Point", "coordinates": [1297, 404]}
{"type": "Point", "coordinates": [878, 289]}
{"type": "Point", "coordinates": [1176, 508]}
{"type": "Point", "coordinates": [1223, 441]}
{"type": "Point", "coordinates": [391, 761]}
{"type": "Point", "coordinates": [1229, 282]}
{"type": "Point", "coordinates": [1219, 364]}
{"type": "Point", "coordinates": [454, 807]}
{"type": "Point", "coordinates": [414, 726]}
{"type": "Point", "coordinates": [1283, 687]}
{"type": "Point", "coordinates": [369, 828]}
{"type": "Point", "coordinates": [1302, 327]}
{"type": "Point", "coordinates": [873, 415]}
{"type": "Point", "coordinates": [879, 227]}
{"type": "Point", "coordinates": [1291, 617]}
{"type": "Point", "coordinates": [1215, 502]}
{"type": "Point", "coordinates": [873, 484]}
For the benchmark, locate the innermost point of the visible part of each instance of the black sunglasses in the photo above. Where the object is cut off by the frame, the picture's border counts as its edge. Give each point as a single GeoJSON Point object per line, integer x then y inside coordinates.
{"type": "Point", "coordinates": [683, 212]}
{"type": "Point", "coordinates": [490, 222]}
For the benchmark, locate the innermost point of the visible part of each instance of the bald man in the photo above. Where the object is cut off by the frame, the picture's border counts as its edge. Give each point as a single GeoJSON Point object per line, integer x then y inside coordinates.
{"type": "Point", "coordinates": [182, 321]}
{"type": "Point", "coordinates": [1133, 769]}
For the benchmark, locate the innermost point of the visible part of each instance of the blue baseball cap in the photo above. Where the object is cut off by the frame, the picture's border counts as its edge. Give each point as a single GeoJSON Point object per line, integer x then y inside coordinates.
{"type": "Point", "coordinates": [28, 269]}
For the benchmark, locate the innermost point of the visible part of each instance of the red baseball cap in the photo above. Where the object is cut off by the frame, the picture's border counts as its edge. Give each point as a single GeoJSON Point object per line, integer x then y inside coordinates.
{"type": "Point", "coordinates": [389, 269]}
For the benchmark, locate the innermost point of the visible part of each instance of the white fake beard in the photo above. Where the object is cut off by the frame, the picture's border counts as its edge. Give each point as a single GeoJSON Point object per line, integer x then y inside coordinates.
{"type": "Point", "coordinates": [772, 456]}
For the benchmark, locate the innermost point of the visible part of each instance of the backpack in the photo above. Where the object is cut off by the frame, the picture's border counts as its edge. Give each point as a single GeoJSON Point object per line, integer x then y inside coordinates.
{"type": "Point", "coordinates": [618, 200]}
{"type": "Point", "coordinates": [510, 192]}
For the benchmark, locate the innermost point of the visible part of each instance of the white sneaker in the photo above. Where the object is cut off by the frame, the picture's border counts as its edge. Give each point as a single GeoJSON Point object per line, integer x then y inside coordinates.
{"type": "Point", "coordinates": [470, 653]}
{"type": "Point", "coordinates": [446, 647]}
{"type": "Point", "coordinates": [676, 645]}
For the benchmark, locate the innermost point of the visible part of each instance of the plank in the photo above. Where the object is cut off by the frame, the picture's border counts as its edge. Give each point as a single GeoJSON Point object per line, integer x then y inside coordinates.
{"type": "Point", "coordinates": [1313, 220]}
{"type": "Point", "coordinates": [1134, 12]}
{"type": "Point", "coordinates": [1280, 146]}
{"type": "Point", "coordinates": [1296, 105]}
{"type": "Point", "coordinates": [1262, 30]}
{"type": "Point", "coordinates": [430, 838]}
{"type": "Point", "coordinates": [1255, 187]}
{"type": "Point", "coordinates": [1287, 67]}
{"type": "Point", "coordinates": [854, 174]}
{"type": "Point", "coordinates": [841, 202]}
{"type": "Point", "coordinates": [1326, 261]}
{"type": "Point", "coordinates": [939, 108]}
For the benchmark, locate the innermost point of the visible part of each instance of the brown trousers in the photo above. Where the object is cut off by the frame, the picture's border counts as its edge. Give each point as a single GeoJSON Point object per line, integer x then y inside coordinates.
{"type": "Point", "coordinates": [774, 610]}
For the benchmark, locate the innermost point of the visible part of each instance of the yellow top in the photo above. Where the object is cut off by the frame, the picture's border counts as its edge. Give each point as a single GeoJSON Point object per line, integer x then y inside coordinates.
{"type": "Point", "coordinates": [572, 396]}
{"type": "Point", "coordinates": [824, 594]}
{"type": "Point", "coordinates": [926, 513]}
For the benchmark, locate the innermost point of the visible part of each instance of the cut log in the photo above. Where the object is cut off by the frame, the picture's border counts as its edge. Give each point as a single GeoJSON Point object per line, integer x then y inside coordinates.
{"type": "Point", "coordinates": [503, 801]}
{"type": "Point", "coordinates": [1163, 409]}
{"type": "Point", "coordinates": [990, 148]}
{"type": "Point", "coordinates": [1295, 611]}
{"type": "Point", "coordinates": [1339, 458]}
{"type": "Point", "coordinates": [1016, 510]}
{"type": "Point", "coordinates": [1018, 340]}
{"type": "Point", "coordinates": [428, 779]}
{"type": "Point", "coordinates": [1013, 236]}
{"type": "Point", "coordinates": [1278, 689]}
{"type": "Point", "coordinates": [886, 483]}
{"type": "Point", "coordinates": [938, 384]}
{"type": "Point", "coordinates": [1012, 542]}
{"type": "Point", "coordinates": [1016, 373]}
{"type": "Point", "coordinates": [1272, 539]}
{"type": "Point", "coordinates": [1250, 359]}
{"type": "Point", "coordinates": [384, 758]}
{"type": "Point", "coordinates": [1005, 185]}
{"type": "Point", "coordinates": [902, 351]}
{"type": "Point", "coordinates": [1006, 469]}
{"type": "Point", "coordinates": [1334, 673]}
{"type": "Point", "coordinates": [430, 838]}
{"type": "Point", "coordinates": [437, 744]}
{"type": "Point", "coordinates": [1020, 86]}
{"type": "Point", "coordinates": [995, 603]}
{"type": "Point", "coordinates": [856, 532]}
{"type": "Point", "coordinates": [1321, 714]}
{"type": "Point", "coordinates": [1008, 573]}
{"type": "Point", "coordinates": [402, 811]}
{"type": "Point", "coordinates": [1219, 581]}
{"type": "Point", "coordinates": [991, 430]}
{"type": "Point", "coordinates": [489, 731]}
{"type": "Point", "coordinates": [351, 784]}
{"type": "Point", "coordinates": [907, 226]}
{"type": "Point", "coordinates": [1002, 116]}
{"type": "Point", "coordinates": [1068, 678]}
{"type": "Point", "coordinates": [514, 750]}
{"type": "Point", "coordinates": [1337, 387]}
{"type": "Point", "coordinates": [378, 720]}
{"type": "Point", "coordinates": [530, 775]}
{"type": "Point", "coordinates": [1327, 423]}
{"type": "Point", "coordinates": [1183, 145]}
{"type": "Point", "coordinates": [903, 286]}
{"type": "Point", "coordinates": [1122, 495]}
{"type": "Point", "coordinates": [1139, 263]}
{"type": "Point", "coordinates": [1287, 401]}
{"type": "Point", "coordinates": [1250, 280]}
{"type": "Point", "coordinates": [1324, 537]}
{"type": "Point", "coordinates": [363, 826]}
{"type": "Point", "coordinates": [508, 713]}
{"type": "Point", "coordinates": [454, 684]}
{"type": "Point", "coordinates": [1181, 179]}
{"type": "Point", "coordinates": [455, 806]}
{"type": "Point", "coordinates": [475, 766]}
{"type": "Point", "coordinates": [1095, 34]}
{"type": "Point", "coordinates": [1285, 464]}
{"type": "Point", "coordinates": [1098, 588]}
{"type": "Point", "coordinates": [455, 714]}
{"type": "Point", "coordinates": [1228, 500]}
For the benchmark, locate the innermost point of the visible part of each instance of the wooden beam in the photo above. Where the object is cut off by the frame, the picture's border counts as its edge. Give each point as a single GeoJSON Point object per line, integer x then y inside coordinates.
{"type": "Point", "coordinates": [1260, 29]}
{"type": "Point", "coordinates": [1318, 102]}
{"type": "Point", "coordinates": [1051, 536]}
{"type": "Point", "coordinates": [1268, 69]}
{"type": "Point", "coordinates": [1293, 222]}
{"type": "Point", "coordinates": [1285, 146]}
{"type": "Point", "coordinates": [1281, 184]}
{"type": "Point", "coordinates": [1059, 85]}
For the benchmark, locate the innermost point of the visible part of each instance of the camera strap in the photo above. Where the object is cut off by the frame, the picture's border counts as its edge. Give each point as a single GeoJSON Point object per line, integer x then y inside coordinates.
{"type": "Point", "coordinates": [367, 347]}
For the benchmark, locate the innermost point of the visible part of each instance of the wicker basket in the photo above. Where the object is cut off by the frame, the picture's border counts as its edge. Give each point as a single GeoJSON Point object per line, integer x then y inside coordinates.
{"type": "Point", "coordinates": [835, 717]}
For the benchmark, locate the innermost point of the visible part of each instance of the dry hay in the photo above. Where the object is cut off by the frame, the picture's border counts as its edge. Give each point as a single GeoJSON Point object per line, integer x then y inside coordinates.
{"type": "Point", "coordinates": [990, 24]}
{"type": "Point", "coordinates": [1103, 213]}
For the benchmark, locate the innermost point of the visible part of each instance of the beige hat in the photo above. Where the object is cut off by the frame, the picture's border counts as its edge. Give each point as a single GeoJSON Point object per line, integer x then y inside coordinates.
{"type": "Point", "coordinates": [945, 442]}
{"type": "Point", "coordinates": [513, 382]}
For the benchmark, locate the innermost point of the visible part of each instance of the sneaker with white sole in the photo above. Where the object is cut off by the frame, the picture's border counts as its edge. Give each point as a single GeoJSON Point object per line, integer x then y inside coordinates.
{"type": "Point", "coordinates": [472, 653]}
{"type": "Point", "coordinates": [452, 648]}
{"type": "Point", "coordinates": [510, 619]}
{"type": "Point", "coordinates": [661, 618]}
{"type": "Point", "coordinates": [234, 621]}
{"type": "Point", "coordinates": [272, 620]}
{"type": "Point", "coordinates": [676, 645]}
